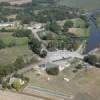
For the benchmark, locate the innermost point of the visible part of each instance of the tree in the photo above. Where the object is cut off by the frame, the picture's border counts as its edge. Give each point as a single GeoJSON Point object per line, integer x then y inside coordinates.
{"type": "Point", "coordinates": [52, 70]}
{"type": "Point", "coordinates": [79, 66]}
{"type": "Point", "coordinates": [25, 18]}
{"type": "Point", "coordinates": [92, 59]}
{"type": "Point", "coordinates": [19, 63]}
{"type": "Point", "coordinates": [35, 45]}
{"type": "Point", "coordinates": [2, 44]}
{"type": "Point", "coordinates": [4, 84]}
{"type": "Point", "coordinates": [16, 85]}
{"type": "Point", "coordinates": [68, 24]}
{"type": "Point", "coordinates": [22, 33]}
{"type": "Point", "coordinates": [43, 53]}
{"type": "Point", "coordinates": [53, 27]}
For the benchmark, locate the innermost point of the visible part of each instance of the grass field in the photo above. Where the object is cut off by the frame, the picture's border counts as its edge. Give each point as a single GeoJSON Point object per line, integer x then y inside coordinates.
{"type": "Point", "coordinates": [9, 55]}
{"type": "Point", "coordinates": [8, 38]}
{"type": "Point", "coordinates": [79, 32]}
{"type": "Point", "coordinates": [79, 23]}
{"type": "Point", "coordinates": [78, 27]}
{"type": "Point", "coordinates": [80, 82]}
{"type": "Point", "coordinates": [84, 4]}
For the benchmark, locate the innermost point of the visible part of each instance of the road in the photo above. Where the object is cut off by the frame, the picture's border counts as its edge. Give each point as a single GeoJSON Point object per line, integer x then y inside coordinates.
{"type": "Point", "coordinates": [36, 27]}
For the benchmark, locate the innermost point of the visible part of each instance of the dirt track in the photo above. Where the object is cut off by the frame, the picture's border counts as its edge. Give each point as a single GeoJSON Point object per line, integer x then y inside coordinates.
{"type": "Point", "coordinates": [6, 95]}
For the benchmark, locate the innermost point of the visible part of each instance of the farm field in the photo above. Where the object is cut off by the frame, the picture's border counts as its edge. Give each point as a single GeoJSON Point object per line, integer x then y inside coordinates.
{"type": "Point", "coordinates": [9, 54]}
{"type": "Point", "coordinates": [83, 4]}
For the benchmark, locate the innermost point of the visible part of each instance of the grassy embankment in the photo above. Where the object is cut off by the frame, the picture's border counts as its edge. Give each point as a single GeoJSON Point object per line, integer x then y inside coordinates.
{"type": "Point", "coordinates": [98, 20]}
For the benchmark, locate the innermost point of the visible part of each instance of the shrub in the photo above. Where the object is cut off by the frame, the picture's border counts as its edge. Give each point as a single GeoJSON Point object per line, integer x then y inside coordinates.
{"type": "Point", "coordinates": [35, 45]}
{"type": "Point", "coordinates": [43, 54]}
{"type": "Point", "coordinates": [52, 70]}
{"type": "Point", "coordinates": [12, 44]}
{"type": "Point", "coordinates": [16, 85]}
{"type": "Point", "coordinates": [2, 44]}
{"type": "Point", "coordinates": [54, 27]}
{"type": "Point", "coordinates": [79, 66]}
{"type": "Point", "coordinates": [19, 63]}
{"type": "Point", "coordinates": [91, 59]}
{"type": "Point", "coordinates": [4, 84]}
{"type": "Point", "coordinates": [68, 24]}
{"type": "Point", "coordinates": [22, 33]}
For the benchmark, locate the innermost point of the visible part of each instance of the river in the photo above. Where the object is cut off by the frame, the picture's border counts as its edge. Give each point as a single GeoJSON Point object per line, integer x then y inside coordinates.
{"type": "Point", "coordinates": [94, 38]}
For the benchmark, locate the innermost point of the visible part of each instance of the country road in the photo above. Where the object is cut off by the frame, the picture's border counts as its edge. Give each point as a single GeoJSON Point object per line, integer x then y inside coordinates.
{"type": "Point", "coordinates": [36, 27]}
